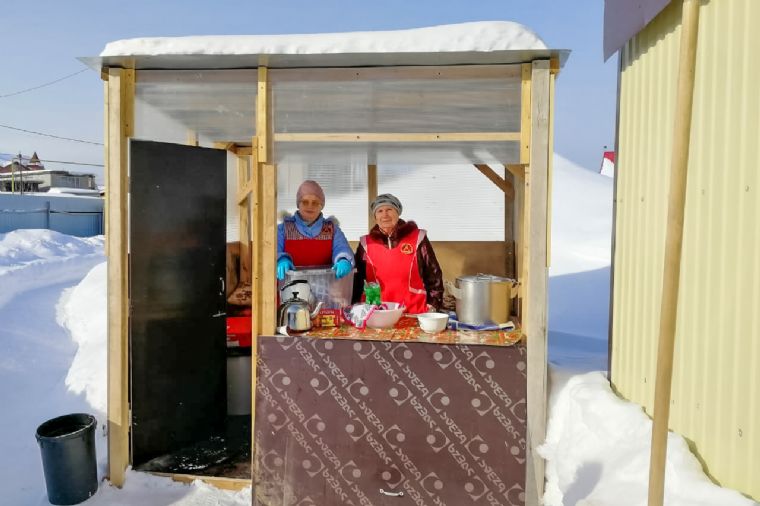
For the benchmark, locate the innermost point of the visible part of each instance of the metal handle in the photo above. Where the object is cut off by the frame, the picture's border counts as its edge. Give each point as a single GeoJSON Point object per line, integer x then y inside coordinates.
{"type": "Point", "coordinates": [392, 494]}
{"type": "Point", "coordinates": [222, 281]}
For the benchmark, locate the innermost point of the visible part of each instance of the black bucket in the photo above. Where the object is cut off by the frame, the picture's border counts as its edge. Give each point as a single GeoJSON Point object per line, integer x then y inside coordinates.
{"type": "Point", "coordinates": [67, 444]}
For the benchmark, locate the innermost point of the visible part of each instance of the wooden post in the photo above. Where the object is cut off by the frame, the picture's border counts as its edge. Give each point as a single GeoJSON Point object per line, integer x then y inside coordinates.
{"type": "Point", "coordinates": [256, 241]}
{"type": "Point", "coordinates": [191, 139]}
{"type": "Point", "coordinates": [244, 217]}
{"type": "Point", "coordinates": [120, 97]}
{"type": "Point", "coordinates": [509, 226]}
{"type": "Point", "coordinates": [267, 205]}
{"type": "Point", "coordinates": [536, 275]}
{"type": "Point", "coordinates": [496, 179]}
{"type": "Point", "coordinates": [371, 193]}
{"type": "Point", "coordinates": [525, 110]}
{"type": "Point", "coordinates": [673, 241]}
{"type": "Point", "coordinates": [550, 166]}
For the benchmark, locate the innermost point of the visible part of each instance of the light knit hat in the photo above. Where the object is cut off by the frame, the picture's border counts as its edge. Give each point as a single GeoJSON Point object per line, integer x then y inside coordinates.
{"type": "Point", "coordinates": [386, 199]}
{"type": "Point", "coordinates": [310, 187]}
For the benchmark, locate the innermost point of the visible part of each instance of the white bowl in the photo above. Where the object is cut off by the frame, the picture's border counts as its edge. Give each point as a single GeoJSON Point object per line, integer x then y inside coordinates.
{"type": "Point", "coordinates": [433, 322]}
{"type": "Point", "coordinates": [385, 318]}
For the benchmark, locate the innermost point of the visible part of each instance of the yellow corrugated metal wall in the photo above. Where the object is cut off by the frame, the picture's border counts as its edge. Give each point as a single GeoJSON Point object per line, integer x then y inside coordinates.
{"type": "Point", "coordinates": [716, 383]}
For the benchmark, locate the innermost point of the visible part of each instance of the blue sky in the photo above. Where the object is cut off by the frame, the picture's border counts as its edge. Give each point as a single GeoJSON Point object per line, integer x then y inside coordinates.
{"type": "Point", "coordinates": [42, 39]}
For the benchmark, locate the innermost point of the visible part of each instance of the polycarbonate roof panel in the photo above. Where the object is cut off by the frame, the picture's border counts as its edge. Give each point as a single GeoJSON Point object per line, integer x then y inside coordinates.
{"type": "Point", "coordinates": [219, 105]}
{"type": "Point", "coordinates": [216, 105]}
{"type": "Point", "coordinates": [274, 61]}
{"type": "Point", "coordinates": [408, 100]}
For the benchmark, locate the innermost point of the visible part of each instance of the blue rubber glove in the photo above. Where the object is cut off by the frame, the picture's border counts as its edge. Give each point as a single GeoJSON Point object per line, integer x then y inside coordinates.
{"type": "Point", "coordinates": [341, 268]}
{"type": "Point", "coordinates": [284, 265]}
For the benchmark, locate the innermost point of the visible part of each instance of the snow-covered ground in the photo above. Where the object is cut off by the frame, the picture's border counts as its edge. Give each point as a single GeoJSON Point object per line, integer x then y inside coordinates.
{"type": "Point", "coordinates": [53, 361]}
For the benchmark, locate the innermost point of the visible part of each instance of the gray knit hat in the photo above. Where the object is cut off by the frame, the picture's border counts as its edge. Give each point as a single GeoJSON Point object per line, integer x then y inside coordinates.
{"type": "Point", "coordinates": [386, 199]}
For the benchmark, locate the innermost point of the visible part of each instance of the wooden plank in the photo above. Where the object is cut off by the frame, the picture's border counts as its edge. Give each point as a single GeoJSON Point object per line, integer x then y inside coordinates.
{"type": "Point", "coordinates": [262, 116]}
{"type": "Point", "coordinates": [550, 172]}
{"type": "Point", "coordinates": [267, 206]}
{"type": "Point", "coordinates": [400, 73]}
{"type": "Point", "coordinates": [256, 299]}
{"type": "Point", "coordinates": [245, 191]}
{"type": "Point", "coordinates": [218, 482]}
{"type": "Point", "coordinates": [535, 286]}
{"type": "Point", "coordinates": [554, 62]}
{"type": "Point", "coordinates": [191, 138]}
{"type": "Point", "coordinates": [509, 229]}
{"type": "Point", "coordinates": [243, 150]}
{"type": "Point", "coordinates": [671, 276]}
{"type": "Point", "coordinates": [269, 249]}
{"type": "Point", "coordinates": [398, 137]}
{"type": "Point", "coordinates": [525, 111]}
{"type": "Point", "coordinates": [120, 128]}
{"type": "Point", "coordinates": [244, 217]}
{"type": "Point", "coordinates": [257, 240]}
{"type": "Point", "coordinates": [517, 170]}
{"type": "Point", "coordinates": [106, 119]}
{"type": "Point", "coordinates": [496, 179]}
{"type": "Point", "coordinates": [227, 146]}
{"type": "Point", "coordinates": [523, 222]}
{"type": "Point", "coordinates": [371, 193]}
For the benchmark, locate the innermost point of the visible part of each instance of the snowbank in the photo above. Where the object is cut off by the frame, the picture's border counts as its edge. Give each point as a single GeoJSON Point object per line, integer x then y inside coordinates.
{"type": "Point", "coordinates": [30, 259]}
{"type": "Point", "coordinates": [597, 451]}
{"type": "Point", "coordinates": [83, 312]}
{"type": "Point", "coordinates": [476, 36]}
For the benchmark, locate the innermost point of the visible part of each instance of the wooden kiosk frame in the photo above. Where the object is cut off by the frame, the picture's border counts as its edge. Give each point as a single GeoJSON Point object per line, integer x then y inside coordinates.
{"type": "Point", "coordinates": [527, 190]}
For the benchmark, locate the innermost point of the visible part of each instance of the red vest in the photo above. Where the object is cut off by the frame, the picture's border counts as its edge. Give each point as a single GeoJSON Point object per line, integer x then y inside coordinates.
{"type": "Point", "coordinates": [305, 251]}
{"type": "Point", "coordinates": [397, 270]}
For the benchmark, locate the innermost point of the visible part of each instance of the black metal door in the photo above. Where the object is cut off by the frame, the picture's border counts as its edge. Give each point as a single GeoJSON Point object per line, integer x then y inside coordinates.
{"type": "Point", "coordinates": [177, 268]}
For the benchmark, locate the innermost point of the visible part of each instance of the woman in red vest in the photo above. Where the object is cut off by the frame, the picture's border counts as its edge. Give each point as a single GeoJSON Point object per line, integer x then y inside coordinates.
{"type": "Point", "coordinates": [398, 255]}
{"type": "Point", "coordinates": [308, 238]}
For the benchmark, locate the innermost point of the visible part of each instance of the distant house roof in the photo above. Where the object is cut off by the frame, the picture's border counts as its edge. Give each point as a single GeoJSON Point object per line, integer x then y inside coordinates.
{"type": "Point", "coordinates": [625, 18]}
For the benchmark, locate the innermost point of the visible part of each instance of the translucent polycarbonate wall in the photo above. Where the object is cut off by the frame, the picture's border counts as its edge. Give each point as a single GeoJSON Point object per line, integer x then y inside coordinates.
{"type": "Point", "coordinates": [345, 188]}
{"type": "Point", "coordinates": [399, 100]}
{"type": "Point", "coordinates": [405, 99]}
{"type": "Point", "coordinates": [473, 107]}
{"type": "Point", "coordinates": [213, 105]}
{"type": "Point", "coordinates": [452, 202]}
{"type": "Point", "coordinates": [480, 101]}
{"type": "Point", "coordinates": [436, 181]}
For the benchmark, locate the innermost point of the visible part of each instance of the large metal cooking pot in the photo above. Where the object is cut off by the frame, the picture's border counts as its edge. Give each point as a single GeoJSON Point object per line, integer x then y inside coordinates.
{"type": "Point", "coordinates": [482, 299]}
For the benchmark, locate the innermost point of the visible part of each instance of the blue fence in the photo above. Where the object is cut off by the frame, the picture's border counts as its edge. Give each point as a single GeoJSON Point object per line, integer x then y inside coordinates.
{"type": "Point", "coordinates": [80, 216]}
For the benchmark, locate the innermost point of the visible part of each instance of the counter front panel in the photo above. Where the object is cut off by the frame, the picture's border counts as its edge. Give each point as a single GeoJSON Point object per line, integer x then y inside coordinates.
{"type": "Point", "coordinates": [379, 422]}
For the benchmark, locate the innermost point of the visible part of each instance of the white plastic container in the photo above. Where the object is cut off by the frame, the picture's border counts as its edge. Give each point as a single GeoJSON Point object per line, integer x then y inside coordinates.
{"type": "Point", "coordinates": [385, 318]}
{"type": "Point", "coordinates": [333, 293]}
{"type": "Point", "coordinates": [433, 322]}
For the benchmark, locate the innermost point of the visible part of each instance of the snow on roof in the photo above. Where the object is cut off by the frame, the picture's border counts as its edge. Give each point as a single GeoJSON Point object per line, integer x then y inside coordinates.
{"type": "Point", "coordinates": [481, 36]}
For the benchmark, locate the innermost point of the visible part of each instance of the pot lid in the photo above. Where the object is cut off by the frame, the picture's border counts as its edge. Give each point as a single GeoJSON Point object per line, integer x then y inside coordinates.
{"type": "Point", "coordinates": [484, 278]}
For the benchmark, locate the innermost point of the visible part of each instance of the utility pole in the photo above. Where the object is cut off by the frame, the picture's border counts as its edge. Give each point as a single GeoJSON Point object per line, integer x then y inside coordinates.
{"type": "Point", "coordinates": [21, 174]}
{"type": "Point", "coordinates": [13, 177]}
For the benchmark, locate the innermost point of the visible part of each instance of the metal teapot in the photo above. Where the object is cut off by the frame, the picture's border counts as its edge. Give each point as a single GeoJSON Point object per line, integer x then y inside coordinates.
{"type": "Point", "coordinates": [295, 315]}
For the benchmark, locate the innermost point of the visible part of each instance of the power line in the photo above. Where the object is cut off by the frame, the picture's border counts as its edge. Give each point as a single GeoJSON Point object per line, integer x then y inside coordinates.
{"type": "Point", "coordinates": [51, 135]}
{"type": "Point", "coordinates": [41, 85]}
{"type": "Point", "coordinates": [75, 163]}
{"type": "Point", "coordinates": [61, 161]}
